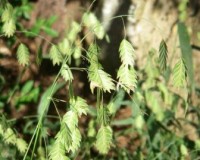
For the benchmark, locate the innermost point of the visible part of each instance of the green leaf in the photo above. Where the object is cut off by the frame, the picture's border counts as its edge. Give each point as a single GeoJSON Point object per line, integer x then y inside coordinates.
{"type": "Point", "coordinates": [45, 99]}
{"type": "Point", "coordinates": [50, 31]}
{"type": "Point", "coordinates": [163, 55]}
{"type": "Point", "coordinates": [27, 87]}
{"type": "Point", "coordinates": [127, 78]}
{"type": "Point", "coordinates": [51, 20]}
{"type": "Point", "coordinates": [186, 51]}
{"type": "Point", "coordinates": [116, 102]}
{"type": "Point", "coordinates": [123, 122]}
{"type": "Point", "coordinates": [23, 55]}
{"type": "Point", "coordinates": [100, 79]}
{"type": "Point", "coordinates": [66, 73]}
{"type": "Point", "coordinates": [127, 53]}
{"type": "Point", "coordinates": [9, 28]}
{"type": "Point", "coordinates": [179, 74]}
{"type": "Point", "coordinates": [104, 139]}
{"type": "Point", "coordinates": [55, 55]}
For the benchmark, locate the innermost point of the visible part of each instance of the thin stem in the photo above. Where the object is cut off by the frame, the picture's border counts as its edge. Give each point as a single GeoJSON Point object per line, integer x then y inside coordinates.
{"type": "Point", "coordinates": [71, 91]}
{"type": "Point", "coordinates": [35, 142]}
{"type": "Point", "coordinates": [42, 37]}
{"type": "Point", "coordinates": [98, 98]}
{"type": "Point", "coordinates": [56, 110]}
{"type": "Point", "coordinates": [41, 118]}
{"type": "Point", "coordinates": [124, 27]}
{"type": "Point", "coordinates": [29, 145]}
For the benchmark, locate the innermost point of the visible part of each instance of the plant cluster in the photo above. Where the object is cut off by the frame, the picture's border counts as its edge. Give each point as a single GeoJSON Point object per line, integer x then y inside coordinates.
{"type": "Point", "coordinates": [152, 101]}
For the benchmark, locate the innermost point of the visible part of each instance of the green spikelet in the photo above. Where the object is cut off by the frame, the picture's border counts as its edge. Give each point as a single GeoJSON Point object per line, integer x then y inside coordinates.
{"type": "Point", "coordinates": [163, 55]}
{"type": "Point", "coordinates": [92, 53]}
{"type": "Point", "coordinates": [127, 78]}
{"type": "Point", "coordinates": [103, 116]}
{"type": "Point", "coordinates": [179, 74]}
{"type": "Point", "coordinates": [7, 17]}
{"type": "Point", "coordinates": [9, 28]}
{"type": "Point", "coordinates": [55, 55]}
{"type": "Point", "coordinates": [23, 55]}
{"type": "Point", "coordinates": [126, 74]}
{"type": "Point", "coordinates": [91, 21]}
{"type": "Point", "coordinates": [58, 152]}
{"type": "Point", "coordinates": [74, 30]}
{"type": "Point", "coordinates": [7, 13]}
{"type": "Point", "coordinates": [127, 53]}
{"type": "Point", "coordinates": [100, 79]}
{"type": "Point", "coordinates": [76, 140]}
{"type": "Point", "coordinates": [21, 145]}
{"type": "Point", "coordinates": [10, 137]}
{"type": "Point", "coordinates": [104, 139]}
{"type": "Point", "coordinates": [79, 106]}
{"type": "Point", "coordinates": [66, 73]}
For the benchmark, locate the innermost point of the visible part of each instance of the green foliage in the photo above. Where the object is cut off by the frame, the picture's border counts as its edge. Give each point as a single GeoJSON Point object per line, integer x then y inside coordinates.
{"type": "Point", "coordinates": [23, 55]}
{"type": "Point", "coordinates": [104, 139]}
{"type": "Point", "coordinates": [44, 25]}
{"type": "Point", "coordinates": [148, 119]}
{"type": "Point", "coordinates": [163, 55]}
{"type": "Point", "coordinates": [3, 3]}
{"type": "Point", "coordinates": [28, 93]}
{"type": "Point", "coordinates": [153, 103]}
